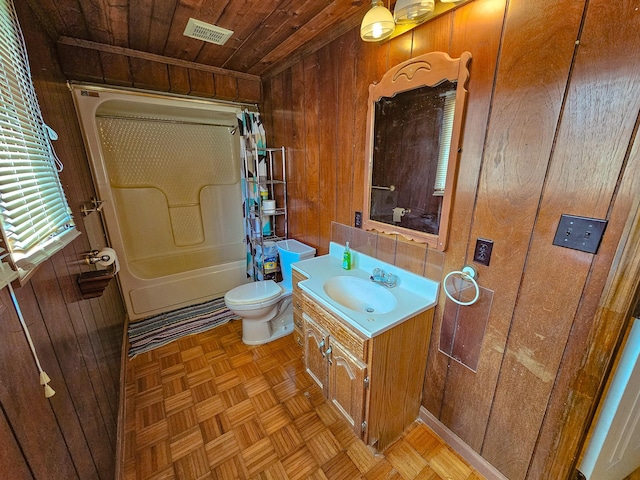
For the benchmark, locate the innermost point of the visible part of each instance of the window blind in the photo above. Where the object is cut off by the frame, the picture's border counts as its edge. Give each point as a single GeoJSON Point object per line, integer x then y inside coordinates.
{"type": "Point", "coordinates": [36, 220]}
{"type": "Point", "coordinates": [445, 142]}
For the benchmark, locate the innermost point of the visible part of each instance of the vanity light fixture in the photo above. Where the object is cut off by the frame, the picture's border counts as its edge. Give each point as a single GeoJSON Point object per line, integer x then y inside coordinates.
{"type": "Point", "coordinates": [412, 11]}
{"type": "Point", "coordinates": [377, 24]}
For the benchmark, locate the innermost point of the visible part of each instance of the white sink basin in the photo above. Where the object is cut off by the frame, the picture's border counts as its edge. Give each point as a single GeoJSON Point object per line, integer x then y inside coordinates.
{"type": "Point", "coordinates": [359, 294]}
{"type": "Point", "coordinates": [351, 295]}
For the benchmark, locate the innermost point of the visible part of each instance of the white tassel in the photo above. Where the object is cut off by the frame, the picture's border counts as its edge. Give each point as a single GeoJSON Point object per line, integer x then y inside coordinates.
{"type": "Point", "coordinates": [44, 378]}
{"type": "Point", "coordinates": [48, 391]}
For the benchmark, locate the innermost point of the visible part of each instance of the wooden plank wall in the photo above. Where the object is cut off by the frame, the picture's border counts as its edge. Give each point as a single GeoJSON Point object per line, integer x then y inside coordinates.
{"type": "Point", "coordinates": [550, 129]}
{"type": "Point", "coordinates": [79, 342]}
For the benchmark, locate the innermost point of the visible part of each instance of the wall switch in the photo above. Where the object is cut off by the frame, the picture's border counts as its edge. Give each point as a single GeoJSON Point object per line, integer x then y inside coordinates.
{"type": "Point", "coordinates": [482, 253]}
{"type": "Point", "coordinates": [580, 233]}
{"type": "Point", "coordinates": [357, 220]}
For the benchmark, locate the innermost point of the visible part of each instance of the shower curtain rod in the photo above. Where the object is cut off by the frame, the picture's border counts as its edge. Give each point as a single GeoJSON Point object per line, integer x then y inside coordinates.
{"type": "Point", "coordinates": [96, 87]}
{"type": "Point", "coordinates": [164, 120]}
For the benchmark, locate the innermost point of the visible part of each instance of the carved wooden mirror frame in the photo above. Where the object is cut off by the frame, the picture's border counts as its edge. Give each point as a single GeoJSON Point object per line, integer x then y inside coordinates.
{"type": "Point", "coordinates": [430, 70]}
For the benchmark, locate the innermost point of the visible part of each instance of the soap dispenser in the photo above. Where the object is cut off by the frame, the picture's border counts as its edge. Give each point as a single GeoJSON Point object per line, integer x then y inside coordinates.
{"type": "Point", "coordinates": [346, 258]}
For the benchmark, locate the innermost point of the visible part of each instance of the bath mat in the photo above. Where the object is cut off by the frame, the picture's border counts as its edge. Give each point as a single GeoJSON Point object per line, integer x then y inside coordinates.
{"type": "Point", "coordinates": [153, 332]}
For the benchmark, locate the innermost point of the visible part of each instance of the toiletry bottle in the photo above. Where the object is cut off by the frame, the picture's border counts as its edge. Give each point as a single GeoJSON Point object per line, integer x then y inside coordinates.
{"type": "Point", "coordinates": [266, 226]}
{"type": "Point", "coordinates": [346, 258]}
{"type": "Point", "coordinates": [264, 195]}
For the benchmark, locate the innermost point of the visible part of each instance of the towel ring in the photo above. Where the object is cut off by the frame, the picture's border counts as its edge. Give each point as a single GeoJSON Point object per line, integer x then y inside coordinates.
{"type": "Point", "coordinates": [467, 273]}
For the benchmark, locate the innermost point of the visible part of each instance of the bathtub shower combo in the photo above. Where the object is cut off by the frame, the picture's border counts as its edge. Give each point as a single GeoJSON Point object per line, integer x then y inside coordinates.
{"type": "Point", "coordinates": [168, 171]}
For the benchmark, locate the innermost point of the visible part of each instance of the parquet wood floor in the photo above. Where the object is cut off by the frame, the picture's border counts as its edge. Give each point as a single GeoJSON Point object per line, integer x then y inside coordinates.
{"type": "Point", "coordinates": [208, 406]}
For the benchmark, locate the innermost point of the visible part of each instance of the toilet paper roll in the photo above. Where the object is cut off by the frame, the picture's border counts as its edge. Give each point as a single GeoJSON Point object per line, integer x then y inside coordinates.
{"type": "Point", "coordinates": [398, 212]}
{"type": "Point", "coordinates": [269, 207]}
{"type": "Point", "coordinates": [107, 257]}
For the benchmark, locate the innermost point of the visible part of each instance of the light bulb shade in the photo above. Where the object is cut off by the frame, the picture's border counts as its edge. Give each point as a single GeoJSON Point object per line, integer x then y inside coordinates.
{"type": "Point", "coordinates": [412, 11]}
{"type": "Point", "coordinates": [377, 24]}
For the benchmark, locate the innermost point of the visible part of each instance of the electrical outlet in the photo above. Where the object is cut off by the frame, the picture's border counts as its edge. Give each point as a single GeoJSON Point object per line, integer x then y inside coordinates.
{"type": "Point", "coordinates": [482, 253]}
{"type": "Point", "coordinates": [357, 220]}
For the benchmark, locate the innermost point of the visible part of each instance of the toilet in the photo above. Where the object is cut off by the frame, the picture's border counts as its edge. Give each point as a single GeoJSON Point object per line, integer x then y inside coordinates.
{"type": "Point", "coordinates": [265, 306]}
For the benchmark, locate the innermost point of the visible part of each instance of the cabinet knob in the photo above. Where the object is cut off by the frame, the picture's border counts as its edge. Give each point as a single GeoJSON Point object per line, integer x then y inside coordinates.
{"type": "Point", "coordinates": [321, 346]}
{"type": "Point", "coordinates": [328, 353]}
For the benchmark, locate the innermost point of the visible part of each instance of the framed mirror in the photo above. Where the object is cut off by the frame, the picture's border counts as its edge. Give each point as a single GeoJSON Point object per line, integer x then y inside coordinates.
{"type": "Point", "coordinates": [414, 126]}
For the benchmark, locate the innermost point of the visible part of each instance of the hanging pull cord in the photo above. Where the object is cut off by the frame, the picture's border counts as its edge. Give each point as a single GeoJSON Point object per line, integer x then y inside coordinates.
{"type": "Point", "coordinates": [44, 378]}
{"type": "Point", "coordinates": [51, 136]}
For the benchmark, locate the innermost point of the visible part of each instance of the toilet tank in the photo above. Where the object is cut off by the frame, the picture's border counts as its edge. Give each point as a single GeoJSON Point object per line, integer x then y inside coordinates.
{"type": "Point", "coordinates": [291, 251]}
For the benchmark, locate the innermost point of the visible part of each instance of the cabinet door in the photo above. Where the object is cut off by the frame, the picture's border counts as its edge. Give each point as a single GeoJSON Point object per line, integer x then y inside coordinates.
{"type": "Point", "coordinates": [347, 385]}
{"type": "Point", "coordinates": [315, 344]}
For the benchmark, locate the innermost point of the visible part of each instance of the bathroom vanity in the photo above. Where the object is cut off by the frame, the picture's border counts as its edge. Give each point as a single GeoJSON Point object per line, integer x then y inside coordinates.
{"type": "Point", "coordinates": [298, 302]}
{"type": "Point", "coordinates": [373, 372]}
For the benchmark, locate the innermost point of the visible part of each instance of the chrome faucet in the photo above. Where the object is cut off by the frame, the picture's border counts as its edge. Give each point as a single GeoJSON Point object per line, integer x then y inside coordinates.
{"type": "Point", "coordinates": [383, 278]}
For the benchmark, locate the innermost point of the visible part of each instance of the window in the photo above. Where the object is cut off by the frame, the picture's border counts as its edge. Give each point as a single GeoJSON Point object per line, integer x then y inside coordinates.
{"type": "Point", "coordinates": [35, 219]}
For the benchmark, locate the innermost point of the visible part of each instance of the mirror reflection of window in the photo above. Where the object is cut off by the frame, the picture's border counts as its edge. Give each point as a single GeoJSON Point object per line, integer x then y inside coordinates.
{"type": "Point", "coordinates": [445, 142]}
{"type": "Point", "coordinates": [410, 154]}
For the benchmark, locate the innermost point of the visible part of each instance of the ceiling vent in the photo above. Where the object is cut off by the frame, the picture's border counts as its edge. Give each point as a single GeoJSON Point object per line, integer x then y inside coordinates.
{"type": "Point", "coordinates": [207, 32]}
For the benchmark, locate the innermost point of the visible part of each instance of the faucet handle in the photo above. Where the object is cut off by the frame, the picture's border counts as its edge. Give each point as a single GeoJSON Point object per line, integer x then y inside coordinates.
{"type": "Point", "coordinates": [383, 278]}
{"type": "Point", "coordinates": [390, 279]}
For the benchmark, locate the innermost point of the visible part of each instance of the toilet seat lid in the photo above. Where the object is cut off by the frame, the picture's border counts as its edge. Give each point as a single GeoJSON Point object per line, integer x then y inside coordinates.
{"type": "Point", "coordinates": [254, 292]}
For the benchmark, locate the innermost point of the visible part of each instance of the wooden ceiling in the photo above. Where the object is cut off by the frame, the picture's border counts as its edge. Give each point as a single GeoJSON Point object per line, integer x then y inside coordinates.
{"type": "Point", "coordinates": [269, 35]}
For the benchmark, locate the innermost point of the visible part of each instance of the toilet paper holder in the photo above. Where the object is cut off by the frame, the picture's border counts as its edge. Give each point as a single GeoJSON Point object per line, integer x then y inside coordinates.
{"type": "Point", "coordinates": [93, 257]}
{"type": "Point", "coordinates": [400, 212]}
{"type": "Point", "coordinates": [106, 258]}
{"type": "Point", "coordinates": [92, 284]}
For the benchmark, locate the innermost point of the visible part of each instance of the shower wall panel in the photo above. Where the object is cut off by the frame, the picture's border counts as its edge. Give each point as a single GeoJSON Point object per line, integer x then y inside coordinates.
{"type": "Point", "coordinates": [169, 172]}
{"type": "Point", "coordinates": [172, 183]}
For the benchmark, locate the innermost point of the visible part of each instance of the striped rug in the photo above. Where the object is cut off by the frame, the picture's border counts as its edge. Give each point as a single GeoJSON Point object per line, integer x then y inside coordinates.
{"type": "Point", "coordinates": [152, 332]}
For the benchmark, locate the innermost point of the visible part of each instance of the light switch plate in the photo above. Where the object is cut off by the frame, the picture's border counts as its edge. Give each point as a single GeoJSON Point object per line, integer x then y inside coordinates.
{"type": "Point", "coordinates": [580, 233]}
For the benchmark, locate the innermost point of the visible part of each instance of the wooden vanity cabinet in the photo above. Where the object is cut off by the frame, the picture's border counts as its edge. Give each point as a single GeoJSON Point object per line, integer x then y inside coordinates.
{"type": "Point", "coordinates": [298, 302]}
{"type": "Point", "coordinates": [315, 360]}
{"type": "Point", "coordinates": [376, 383]}
{"type": "Point", "coordinates": [348, 382]}
{"type": "Point", "coordinates": [341, 376]}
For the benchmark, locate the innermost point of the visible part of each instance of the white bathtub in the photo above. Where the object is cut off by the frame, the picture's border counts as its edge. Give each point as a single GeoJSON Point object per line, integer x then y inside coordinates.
{"type": "Point", "coordinates": [170, 182]}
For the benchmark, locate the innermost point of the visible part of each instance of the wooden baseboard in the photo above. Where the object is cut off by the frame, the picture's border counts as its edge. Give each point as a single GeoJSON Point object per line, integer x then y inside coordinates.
{"type": "Point", "coordinates": [461, 448]}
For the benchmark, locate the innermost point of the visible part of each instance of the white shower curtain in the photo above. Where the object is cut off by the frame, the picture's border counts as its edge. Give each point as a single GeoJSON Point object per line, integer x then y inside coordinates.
{"type": "Point", "coordinates": [252, 142]}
